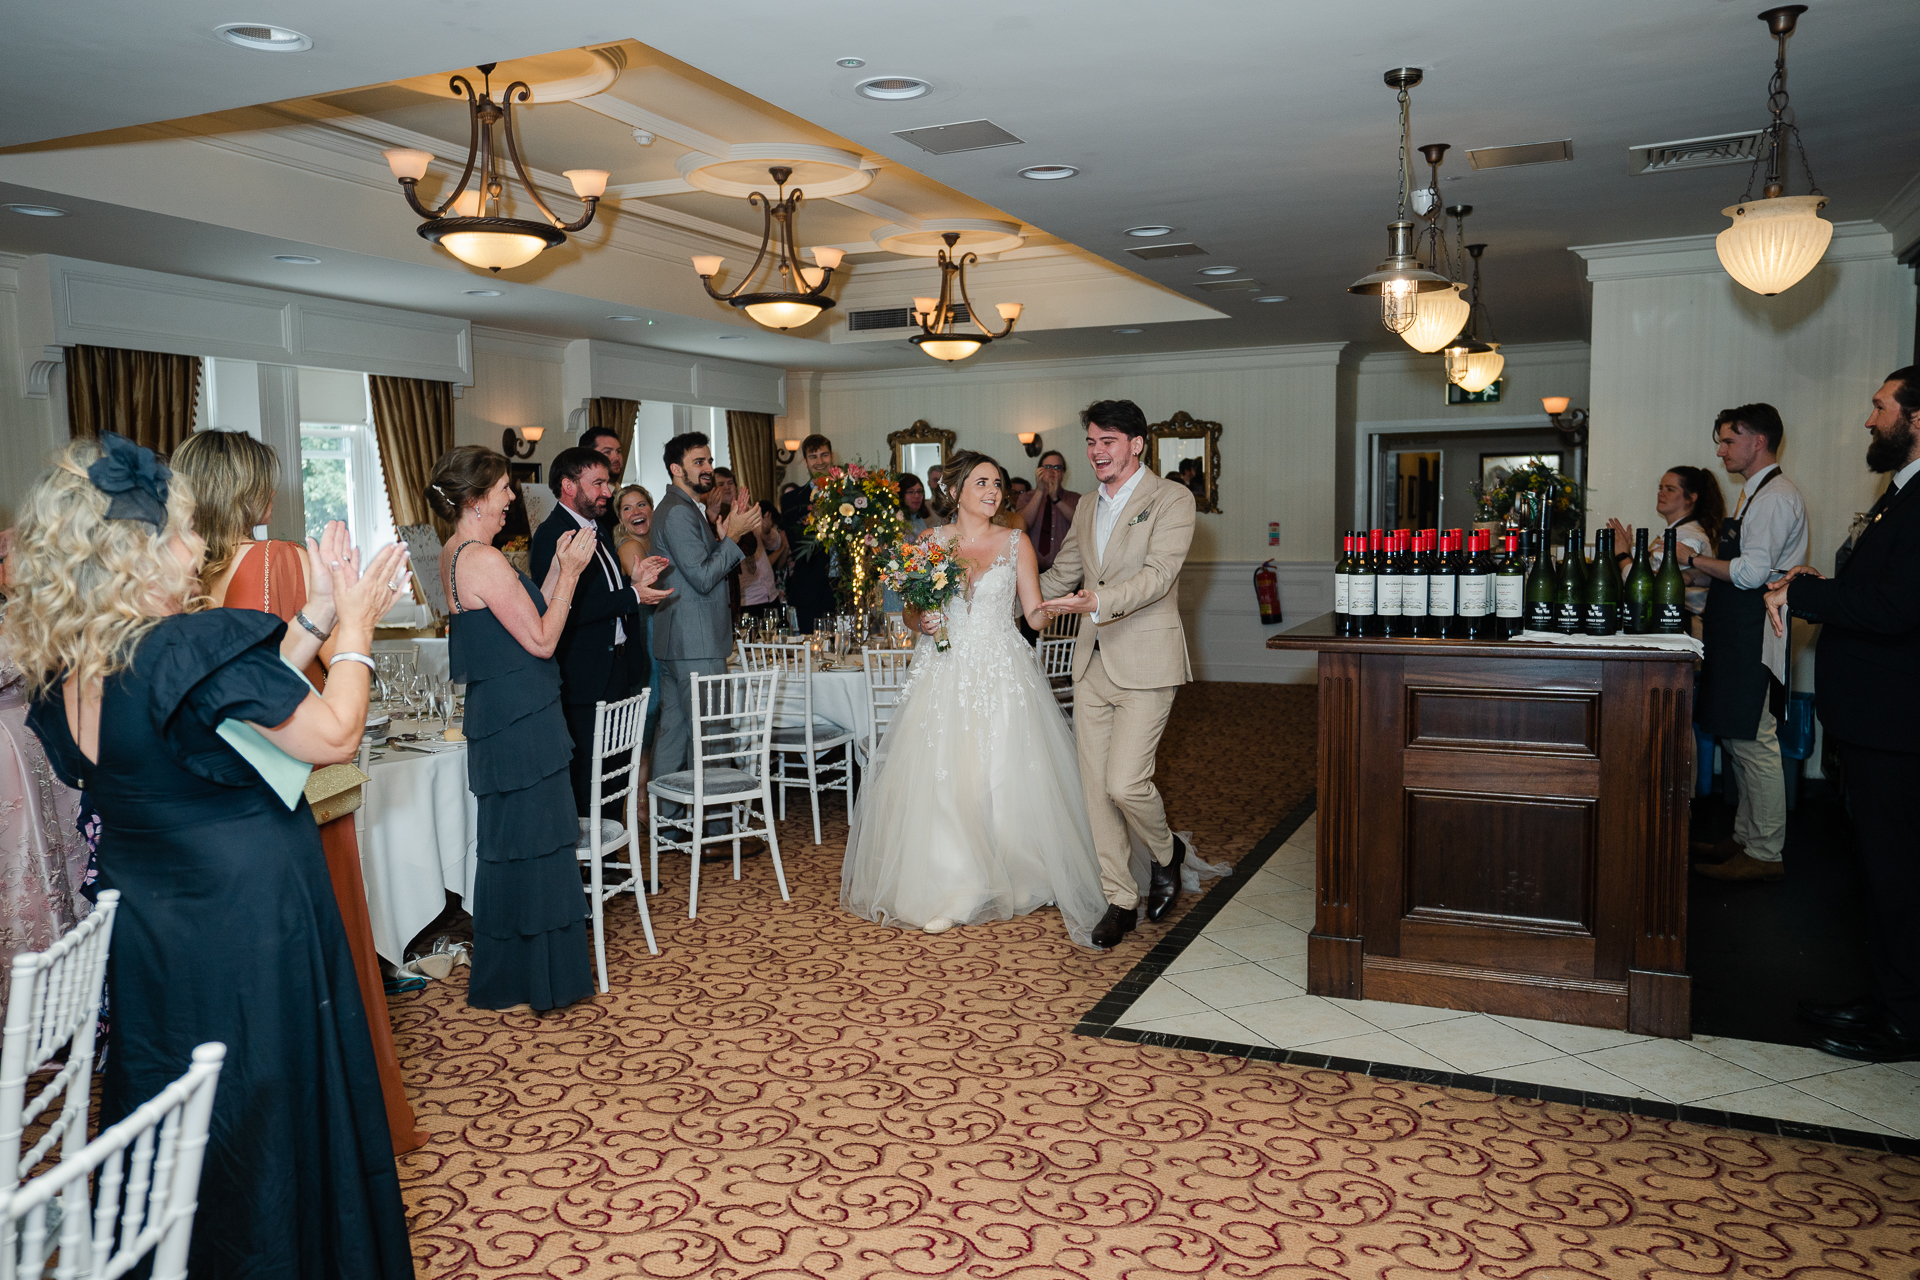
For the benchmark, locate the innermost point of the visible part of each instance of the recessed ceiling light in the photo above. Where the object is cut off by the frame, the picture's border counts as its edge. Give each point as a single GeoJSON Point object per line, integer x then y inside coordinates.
{"type": "Point", "coordinates": [36, 210]}
{"type": "Point", "coordinates": [263, 37]}
{"type": "Point", "coordinates": [481, 293]}
{"type": "Point", "coordinates": [733, 337]}
{"type": "Point", "coordinates": [1273, 297]}
{"type": "Point", "coordinates": [893, 88]}
{"type": "Point", "coordinates": [1218, 271]}
{"type": "Point", "coordinates": [296, 259]}
{"type": "Point", "coordinates": [1048, 172]}
{"type": "Point", "coordinates": [1147, 233]}
{"type": "Point", "coordinates": [1129, 330]}
{"type": "Point", "coordinates": [851, 62]}
{"type": "Point", "coordinates": [624, 319]}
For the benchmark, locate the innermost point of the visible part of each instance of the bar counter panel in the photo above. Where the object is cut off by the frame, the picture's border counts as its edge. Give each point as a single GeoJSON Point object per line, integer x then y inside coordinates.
{"type": "Point", "coordinates": [1503, 827]}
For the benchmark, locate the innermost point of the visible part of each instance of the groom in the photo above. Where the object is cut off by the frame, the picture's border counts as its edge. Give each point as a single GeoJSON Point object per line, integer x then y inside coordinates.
{"type": "Point", "coordinates": [1121, 561]}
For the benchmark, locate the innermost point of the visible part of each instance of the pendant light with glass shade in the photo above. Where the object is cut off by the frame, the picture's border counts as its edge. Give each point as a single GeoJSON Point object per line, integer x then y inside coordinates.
{"type": "Point", "coordinates": [1474, 365]}
{"type": "Point", "coordinates": [1443, 313]}
{"type": "Point", "coordinates": [1402, 278]}
{"type": "Point", "coordinates": [936, 316]}
{"type": "Point", "coordinates": [804, 296]}
{"type": "Point", "coordinates": [1775, 240]}
{"type": "Point", "coordinates": [469, 223]}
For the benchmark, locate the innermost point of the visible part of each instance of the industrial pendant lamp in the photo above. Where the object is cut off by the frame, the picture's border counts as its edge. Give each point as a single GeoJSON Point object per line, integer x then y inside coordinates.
{"type": "Point", "coordinates": [1473, 365]}
{"type": "Point", "coordinates": [1775, 240]}
{"type": "Point", "coordinates": [476, 232]}
{"type": "Point", "coordinates": [1401, 279]}
{"type": "Point", "coordinates": [937, 316]}
{"type": "Point", "coordinates": [804, 296]}
{"type": "Point", "coordinates": [1443, 314]}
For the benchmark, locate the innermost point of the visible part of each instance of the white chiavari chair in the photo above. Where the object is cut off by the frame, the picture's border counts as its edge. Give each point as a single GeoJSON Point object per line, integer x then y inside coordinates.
{"type": "Point", "coordinates": [808, 740]}
{"type": "Point", "coordinates": [732, 727]}
{"type": "Point", "coordinates": [616, 750]}
{"type": "Point", "coordinates": [886, 677]}
{"type": "Point", "coordinates": [1055, 655]}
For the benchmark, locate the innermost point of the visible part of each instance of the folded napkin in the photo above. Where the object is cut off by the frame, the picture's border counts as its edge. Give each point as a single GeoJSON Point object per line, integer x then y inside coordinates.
{"type": "Point", "coordinates": [1680, 643]}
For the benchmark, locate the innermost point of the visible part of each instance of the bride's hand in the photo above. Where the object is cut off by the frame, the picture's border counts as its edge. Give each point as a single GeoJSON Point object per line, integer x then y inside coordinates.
{"type": "Point", "coordinates": [930, 623]}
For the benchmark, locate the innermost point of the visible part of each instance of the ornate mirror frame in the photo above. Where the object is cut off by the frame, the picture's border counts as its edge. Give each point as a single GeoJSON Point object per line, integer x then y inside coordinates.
{"type": "Point", "coordinates": [1184, 426]}
{"type": "Point", "coordinates": [921, 433]}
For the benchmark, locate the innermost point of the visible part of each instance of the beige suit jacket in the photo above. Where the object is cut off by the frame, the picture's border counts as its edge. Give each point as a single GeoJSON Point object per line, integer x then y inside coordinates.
{"type": "Point", "coordinates": [1142, 642]}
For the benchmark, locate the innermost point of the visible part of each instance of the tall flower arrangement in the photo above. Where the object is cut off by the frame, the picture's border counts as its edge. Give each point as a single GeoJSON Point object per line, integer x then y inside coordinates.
{"type": "Point", "coordinates": [1555, 495]}
{"type": "Point", "coordinates": [855, 515]}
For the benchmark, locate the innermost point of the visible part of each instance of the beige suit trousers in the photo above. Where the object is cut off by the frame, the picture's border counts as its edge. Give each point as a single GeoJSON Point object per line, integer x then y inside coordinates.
{"type": "Point", "coordinates": [1118, 732]}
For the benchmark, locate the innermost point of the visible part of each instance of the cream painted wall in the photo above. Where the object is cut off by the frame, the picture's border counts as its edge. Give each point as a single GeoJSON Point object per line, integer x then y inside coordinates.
{"type": "Point", "coordinates": [1406, 385]}
{"type": "Point", "coordinates": [1275, 405]}
{"type": "Point", "coordinates": [29, 433]}
{"type": "Point", "coordinates": [516, 383]}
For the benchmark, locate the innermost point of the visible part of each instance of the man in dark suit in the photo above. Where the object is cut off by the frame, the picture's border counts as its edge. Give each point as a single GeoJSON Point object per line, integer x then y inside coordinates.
{"type": "Point", "coordinates": [1867, 690]}
{"type": "Point", "coordinates": [809, 584]}
{"type": "Point", "coordinates": [607, 611]}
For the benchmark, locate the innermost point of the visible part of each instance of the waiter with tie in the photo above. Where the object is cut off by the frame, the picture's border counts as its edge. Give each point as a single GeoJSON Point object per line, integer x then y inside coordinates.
{"type": "Point", "coordinates": [1047, 509]}
{"type": "Point", "coordinates": [1867, 690]}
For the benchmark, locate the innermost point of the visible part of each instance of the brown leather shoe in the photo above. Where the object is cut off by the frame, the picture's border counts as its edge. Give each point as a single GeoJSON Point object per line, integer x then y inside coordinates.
{"type": "Point", "coordinates": [1742, 867]}
{"type": "Point", "coordinates": [1716, 850]}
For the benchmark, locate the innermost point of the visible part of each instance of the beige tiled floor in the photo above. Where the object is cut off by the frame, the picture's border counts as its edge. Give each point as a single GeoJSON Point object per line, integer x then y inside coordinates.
{"type": "Point", "coordinates": [1244, 980]}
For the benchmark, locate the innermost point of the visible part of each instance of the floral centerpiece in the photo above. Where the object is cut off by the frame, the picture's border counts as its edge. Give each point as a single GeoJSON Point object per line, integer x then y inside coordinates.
{"type": "Point", "coordinates": [925, 575]}
{"type": "Point", "coordinates": [855, 515]}
{"type": "Point", "coordinates": [1541, 493]}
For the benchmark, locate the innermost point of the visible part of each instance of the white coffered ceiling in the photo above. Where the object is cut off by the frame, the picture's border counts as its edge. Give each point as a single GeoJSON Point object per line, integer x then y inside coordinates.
{"type": "Point", "coordinates": [1260, 131]}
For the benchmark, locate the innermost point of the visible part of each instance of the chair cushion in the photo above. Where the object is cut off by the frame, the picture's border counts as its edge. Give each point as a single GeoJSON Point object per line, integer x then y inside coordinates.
{"type": "Point", "coordinates": [719, 782]}
{"type": "Point", "coordinates": [610, 831]}
{"type": "Point", "coordinates": [824, 732]}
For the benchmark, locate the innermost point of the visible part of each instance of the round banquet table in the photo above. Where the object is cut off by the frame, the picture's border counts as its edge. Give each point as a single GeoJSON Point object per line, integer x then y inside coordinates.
{"type": "Point", "coordinates": [418, 840]}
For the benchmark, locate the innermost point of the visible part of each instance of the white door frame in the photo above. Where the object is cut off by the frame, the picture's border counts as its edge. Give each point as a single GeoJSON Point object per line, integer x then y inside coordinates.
{"type": "Point", "coordinates": [1366, 455]}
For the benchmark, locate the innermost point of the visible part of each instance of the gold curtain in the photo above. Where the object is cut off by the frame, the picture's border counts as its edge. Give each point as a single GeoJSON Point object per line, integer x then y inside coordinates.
{"type": "Point", "coordinates": [616, 416]}
{"type": "Point", "coordinates": [750, 445]}
{"type": "Point", "coordinates": [146, 396]}
{"type": "Point", "coordinates": [413, 421]}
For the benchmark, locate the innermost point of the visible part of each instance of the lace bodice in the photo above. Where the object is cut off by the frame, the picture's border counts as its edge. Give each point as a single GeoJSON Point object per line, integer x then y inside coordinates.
{"type": "Point", "coordinates": [987, 617]}
{"type": "Point", "coordinates": [985, 644]}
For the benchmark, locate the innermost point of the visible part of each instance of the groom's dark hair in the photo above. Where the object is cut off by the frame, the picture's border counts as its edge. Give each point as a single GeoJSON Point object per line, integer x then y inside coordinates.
{"type": "Point", "coordinates": [1115, 415]}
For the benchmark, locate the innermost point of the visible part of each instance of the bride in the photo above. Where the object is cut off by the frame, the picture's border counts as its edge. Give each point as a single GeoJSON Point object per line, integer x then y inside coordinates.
{"type": "Point", "coordinates": [973, 811]}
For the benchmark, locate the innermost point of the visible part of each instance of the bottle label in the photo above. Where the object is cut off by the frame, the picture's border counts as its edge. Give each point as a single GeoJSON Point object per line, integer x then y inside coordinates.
{"type": "Point", "coordinates": [1509, 591]}
{"type": "Point", "coordinates": [1360, 595]}
{"type": "Point", "coordinates": [1340, 593]}
{"type": "Point", "coordinates": [1413, 596]}
{"type": "Point", "coordinates": [1568, 618]}
{"type": "Point", "coordinates": [1441, 590]}
{"type": "Point", "coordinates": [1540, 616]}
{"type": "Point", "coordinates": [1633, 618]}
{"type": "Point", "coordinates": [1670, 620]}
{"type": "Point", "coordinates": [1473, 595]}
{"type": "Point", "coordinates": [1603, 619]}
{"type": "Point", "coordinates": [1387, 597]}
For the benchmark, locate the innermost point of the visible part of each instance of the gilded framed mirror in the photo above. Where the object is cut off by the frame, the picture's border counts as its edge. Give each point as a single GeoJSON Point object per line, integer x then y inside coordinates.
{"type": "Point", "coordinates": [920, 446]}
{"type": "Point", "coordinates": [1186, 450]}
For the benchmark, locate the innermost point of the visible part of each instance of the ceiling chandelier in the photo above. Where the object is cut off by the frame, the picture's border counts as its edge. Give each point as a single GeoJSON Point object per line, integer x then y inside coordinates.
{"type": "Point", "coordinates": [476, 232]}
{"type": "Point", "coordinates": [937, 316]}
{"type": "Point", "coordinates": [1401, 279]}
{"type": "Point", "coordinates": [1473, 365]}
{"type": "Point", "coordinates": [804, 296]}
{"type": "Point", "coordinates": [1444, 312]}
{"type": "Point", "coordinates": [1775, 240]}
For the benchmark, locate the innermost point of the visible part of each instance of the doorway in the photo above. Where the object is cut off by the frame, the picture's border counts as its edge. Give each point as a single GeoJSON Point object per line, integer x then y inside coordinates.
{"type": "Point", "coordinates": [1421, 478]}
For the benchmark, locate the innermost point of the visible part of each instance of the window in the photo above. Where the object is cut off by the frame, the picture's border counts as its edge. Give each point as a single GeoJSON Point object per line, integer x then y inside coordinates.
{"type": "Point", "coordinates": [340, 479]}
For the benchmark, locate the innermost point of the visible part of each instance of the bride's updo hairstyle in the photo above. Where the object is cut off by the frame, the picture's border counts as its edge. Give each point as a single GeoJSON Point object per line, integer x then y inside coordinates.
{"type": "Point", "coordinates": [945, 499]}
{"type": "Point", "coordinates": [462, 477]}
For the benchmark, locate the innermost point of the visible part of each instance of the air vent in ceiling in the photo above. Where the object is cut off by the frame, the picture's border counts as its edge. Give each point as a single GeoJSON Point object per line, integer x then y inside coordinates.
{"type": "Point", "coordinates": [1229, 286]}
{"type": "Point", "coordinates": [1167, 251]}
{"type": "Point", "coordinates": [1695, 153]}
{"type": "Point", "coordinates": [893, 318]}
{"type": "Point", "coordinates": [1525, 153]}
{"type": "Point", "coordinates": [967, 135]}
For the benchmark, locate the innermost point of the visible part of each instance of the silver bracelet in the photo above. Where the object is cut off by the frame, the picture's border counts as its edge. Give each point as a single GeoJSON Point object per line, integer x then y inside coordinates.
{"type": "Point", "coordinates": [300, 616]}
{"type": "Point", "coordinates": [360, 658]}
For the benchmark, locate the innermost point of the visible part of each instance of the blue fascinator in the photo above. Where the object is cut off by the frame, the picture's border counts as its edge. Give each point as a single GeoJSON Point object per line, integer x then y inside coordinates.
{"type": "Point", "coordinates": [134, 480]}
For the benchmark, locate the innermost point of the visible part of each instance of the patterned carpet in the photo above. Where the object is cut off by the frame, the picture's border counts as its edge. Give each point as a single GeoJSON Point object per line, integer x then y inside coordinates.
{"type": "Point", "coordinates": [789, 1092]}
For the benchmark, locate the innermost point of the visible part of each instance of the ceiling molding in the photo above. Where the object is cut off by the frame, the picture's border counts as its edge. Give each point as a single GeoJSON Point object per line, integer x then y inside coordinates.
{"type": "Point", "coordinates": [640, 118]}
{"type": "Point", "coordinates": [1901, 217]}
{"type": "Point", "coordinates": [1316, 355]}
{"type": "Point", "coordinates": [489, 341]}
{"type": "Point", "coordinates": [1695, 255]}
{"type": "Point", "coordinates": [873, 208]}
{"type": "Point", "coordinates": [1519, 355]}
{"type": "Point", "coordinates": [642, 190]}
{"type": "Point", "coordinates": [855, 175]}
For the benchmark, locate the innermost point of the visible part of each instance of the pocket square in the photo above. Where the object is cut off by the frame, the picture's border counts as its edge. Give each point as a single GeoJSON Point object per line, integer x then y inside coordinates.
{"type": "Point", "coordinates": [1142, 516]}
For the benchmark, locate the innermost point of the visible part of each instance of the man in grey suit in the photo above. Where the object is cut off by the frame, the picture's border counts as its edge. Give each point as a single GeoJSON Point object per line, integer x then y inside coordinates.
{"type": "Point", "coordinates": [692, 629]}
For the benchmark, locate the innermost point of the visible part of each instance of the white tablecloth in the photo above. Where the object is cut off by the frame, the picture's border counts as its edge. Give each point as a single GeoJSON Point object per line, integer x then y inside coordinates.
{"type": "Point", "coordinates": [839, 696]}
{"type": "Point", "coordinates": [420, 837]}
{"type": "Point", "coordinates": [433, 658]}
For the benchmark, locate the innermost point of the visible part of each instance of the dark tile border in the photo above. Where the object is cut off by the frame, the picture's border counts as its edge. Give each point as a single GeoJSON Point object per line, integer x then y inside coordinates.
{"type": "Point", "coordinates": [1098, 1023]}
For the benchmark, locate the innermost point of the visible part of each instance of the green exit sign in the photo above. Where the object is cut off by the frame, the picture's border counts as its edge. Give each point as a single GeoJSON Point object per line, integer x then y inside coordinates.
{"type": "Point", "coordinates": [1460, 395]}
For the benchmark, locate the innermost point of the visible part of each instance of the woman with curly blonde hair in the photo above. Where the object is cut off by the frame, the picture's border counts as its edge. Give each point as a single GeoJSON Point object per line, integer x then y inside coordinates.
{"type": "Point", "coordinates": [192, 732]}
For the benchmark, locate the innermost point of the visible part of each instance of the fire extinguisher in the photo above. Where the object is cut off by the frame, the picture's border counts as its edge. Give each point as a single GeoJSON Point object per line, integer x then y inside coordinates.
{"type": "Point", "coordinates": [1266, 585]}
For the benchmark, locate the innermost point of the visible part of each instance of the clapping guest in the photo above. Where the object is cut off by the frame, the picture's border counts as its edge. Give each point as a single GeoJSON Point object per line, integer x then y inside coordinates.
{"type": "Point", "coordinates": [233, 478]}
{"type": "Point", "coordinates": [1689, 500]}
{"type": "Point", "coordinates": [809, 581]}
{"type": "Point", "coordinates": [193, 737]}
{"type": "Point", "coordinates": [633, 542]}
{"type": "Point", "coordinates": [919, 516]}
{"type": "Point", "coordinates": [529, 926]}
{"type": "Point", "coordinates": [1048, 510]}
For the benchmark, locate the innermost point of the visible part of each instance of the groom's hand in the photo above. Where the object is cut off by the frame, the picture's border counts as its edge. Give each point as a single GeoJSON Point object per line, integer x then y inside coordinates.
{"type": "Point", "coordinates": [1081, 601]}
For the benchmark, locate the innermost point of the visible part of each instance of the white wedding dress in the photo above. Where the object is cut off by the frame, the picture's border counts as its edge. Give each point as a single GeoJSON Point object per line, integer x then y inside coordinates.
{"type": "Point", "coordinates": [973, 811]}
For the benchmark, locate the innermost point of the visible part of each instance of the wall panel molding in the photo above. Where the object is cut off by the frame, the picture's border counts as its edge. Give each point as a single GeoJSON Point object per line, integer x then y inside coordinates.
{"type": "Point", "coordinates": [596, 368]}
{"type": "Point", "coordinates": [1306, 355]}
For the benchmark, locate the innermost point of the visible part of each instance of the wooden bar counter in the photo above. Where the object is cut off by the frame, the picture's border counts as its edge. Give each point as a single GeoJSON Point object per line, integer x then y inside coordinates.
{"type": "Point", "coordinates": [1503, 827]}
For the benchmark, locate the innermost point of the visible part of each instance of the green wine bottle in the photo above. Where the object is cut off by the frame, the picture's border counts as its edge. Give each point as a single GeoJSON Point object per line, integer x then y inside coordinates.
{"type": "Point", "coordinates": [1669, 594]}
{"type": "Point", "coordinates": [1603, 588]}
{"type": "Point", "coordinates": [1570, 591]}
{"type": "Point", "coordinates": [1636, 604]}
{"type": "Point", "coordinates": [1539, 615]}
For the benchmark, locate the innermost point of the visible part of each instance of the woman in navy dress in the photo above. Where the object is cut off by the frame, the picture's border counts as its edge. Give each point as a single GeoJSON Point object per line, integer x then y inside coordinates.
{"type": "Point", "coordinates": [189, 732]}
{"type": "Point", "coordinates": [530, 940]}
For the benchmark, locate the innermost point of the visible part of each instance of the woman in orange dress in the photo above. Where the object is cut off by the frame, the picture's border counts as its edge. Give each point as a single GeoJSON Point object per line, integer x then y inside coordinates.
{"type": "Point", "coordinates": [233, 477]}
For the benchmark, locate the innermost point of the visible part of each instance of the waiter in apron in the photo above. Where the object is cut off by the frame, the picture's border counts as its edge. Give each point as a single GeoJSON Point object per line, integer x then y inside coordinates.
{"type": "Point", "coordinates": [1743, 679]}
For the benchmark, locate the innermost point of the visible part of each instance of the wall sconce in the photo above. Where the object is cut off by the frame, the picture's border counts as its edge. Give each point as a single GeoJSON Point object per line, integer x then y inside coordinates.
{"type": "Point", "coordinates": [1571, 423]}
{"type": "Point", "coordinates": [512, 444]}
{"type": "Point", "coordinates": [785, 453]}
{"type": "Point", "coordinates": [1031, 439]}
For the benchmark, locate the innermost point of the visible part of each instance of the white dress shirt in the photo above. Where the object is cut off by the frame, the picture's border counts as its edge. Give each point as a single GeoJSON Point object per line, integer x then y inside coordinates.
{"type": "Point", "coordinates": [1906, 473]}
{"type": "Point", "coordinates": [1773, 539]}
{"type": "Point", "coordinates": [1106, 518]}
{"type": "Point", "coordinates": [609, 567]}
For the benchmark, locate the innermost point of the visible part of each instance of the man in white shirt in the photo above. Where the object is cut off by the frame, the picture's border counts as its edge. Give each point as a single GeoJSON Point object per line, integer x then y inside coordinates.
{"type": "Point", "coordinates": [1745, 669]}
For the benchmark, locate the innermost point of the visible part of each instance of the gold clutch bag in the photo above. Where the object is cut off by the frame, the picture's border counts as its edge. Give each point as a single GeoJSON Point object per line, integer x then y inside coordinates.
{"type": "Point", "coordinates": [334, 792]}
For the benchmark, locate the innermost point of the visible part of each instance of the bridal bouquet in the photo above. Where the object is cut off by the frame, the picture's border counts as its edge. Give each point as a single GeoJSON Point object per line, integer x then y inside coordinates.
{"type": "Point", "coordinates": [925, 575]}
